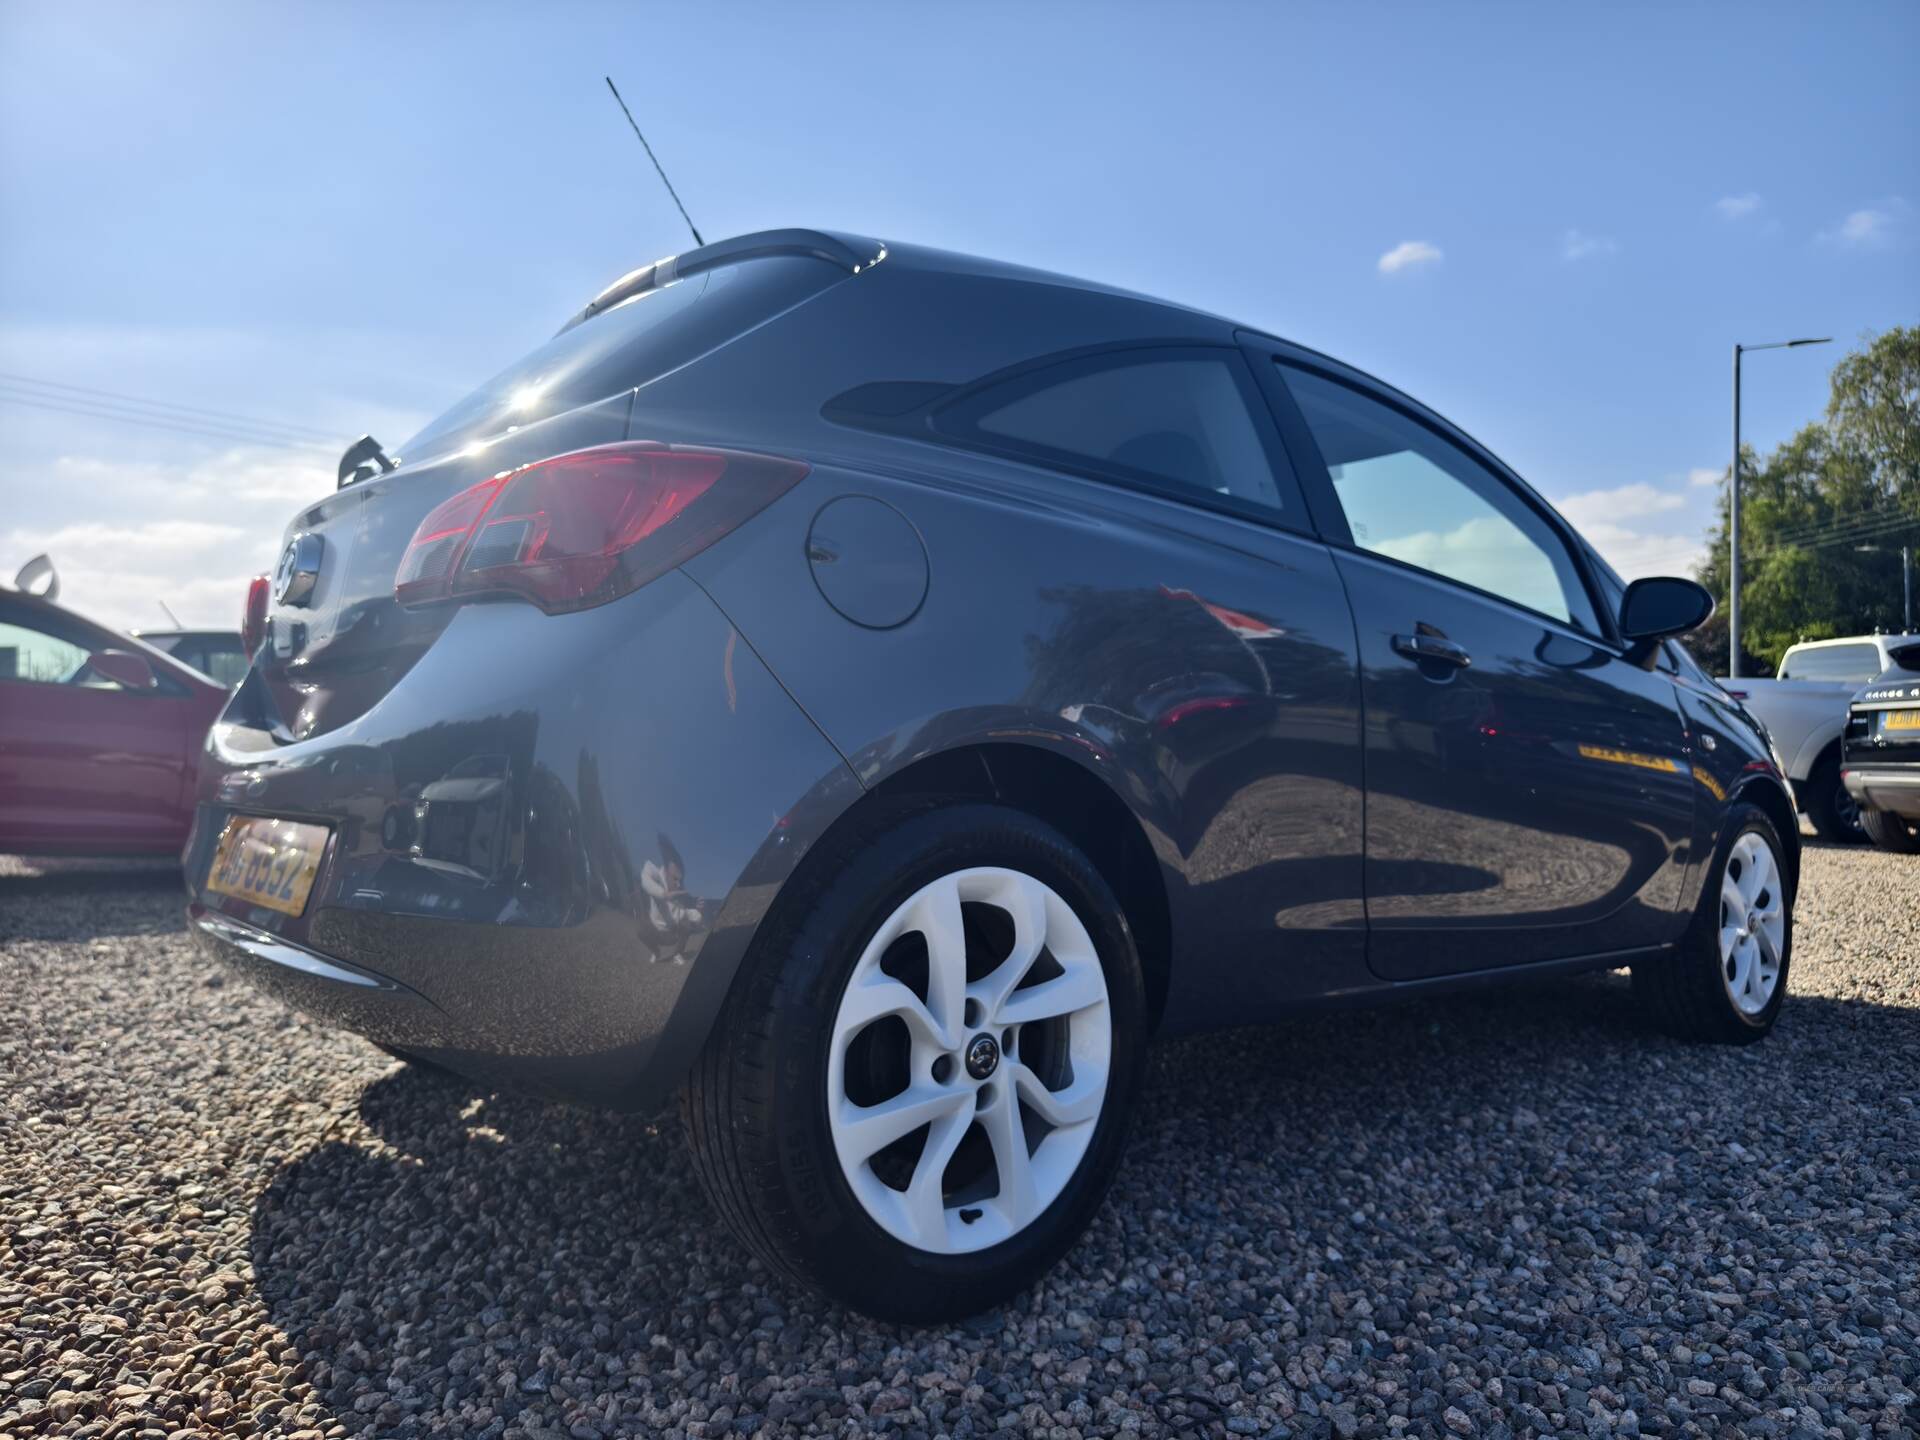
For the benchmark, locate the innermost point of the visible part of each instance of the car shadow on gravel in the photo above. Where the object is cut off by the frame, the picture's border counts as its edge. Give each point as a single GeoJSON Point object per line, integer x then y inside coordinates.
{"type": "Point", "coordinates": [474, 1260]}
{"type": "Point", "coordinates": [58, 899]}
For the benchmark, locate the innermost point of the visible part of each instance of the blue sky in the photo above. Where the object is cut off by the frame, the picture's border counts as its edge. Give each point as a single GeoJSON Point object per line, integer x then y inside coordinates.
{"type": "Point", "coordinates": [1551, 224]}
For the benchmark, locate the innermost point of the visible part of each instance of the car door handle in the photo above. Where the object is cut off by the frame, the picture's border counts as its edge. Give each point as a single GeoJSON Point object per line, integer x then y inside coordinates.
{"type": "Point", "coordinates": [1424, 647]}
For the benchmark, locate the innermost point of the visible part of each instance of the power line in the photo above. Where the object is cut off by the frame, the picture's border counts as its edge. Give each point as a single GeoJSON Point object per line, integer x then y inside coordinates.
{"type": "Point", "coordinates": [102, 410]}
{"type": "Point", "coordinates": [169, 407]}
{"type": "Point", "coordinates": [155, 422]}
{"type": "Point", "coordinates": [95, 411]}
{"type": "Point", "coordinates": [1841, 530]}
{"type": "Point", "coordinates": [1887, 531]}
{"type": "Point", "coordinates": [1866, 519]}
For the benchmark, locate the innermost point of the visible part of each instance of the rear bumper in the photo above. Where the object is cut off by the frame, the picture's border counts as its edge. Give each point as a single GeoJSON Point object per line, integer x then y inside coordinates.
{"type": "Point", "coordinates": [1896, 791]}
{"type": "Point", "coordinates": [549, 844]}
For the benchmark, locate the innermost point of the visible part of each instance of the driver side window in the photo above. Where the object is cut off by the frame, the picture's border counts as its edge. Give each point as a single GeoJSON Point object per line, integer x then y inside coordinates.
{"type": "Point", "coordinates": [1414, 497]}
{"type": "Point", "coordinates": [39, 658]}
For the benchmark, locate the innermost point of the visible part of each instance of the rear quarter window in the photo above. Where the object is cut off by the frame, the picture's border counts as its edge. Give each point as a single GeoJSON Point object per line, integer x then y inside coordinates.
{"type": "Point", "coordinates": [1176, 421]}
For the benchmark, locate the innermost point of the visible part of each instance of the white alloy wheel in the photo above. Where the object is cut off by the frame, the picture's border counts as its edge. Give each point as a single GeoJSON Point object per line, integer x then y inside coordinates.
{"type": "Point", "coordinates": [1753, 920]}
{"type": "Point", "coordinates": [968, 1061]}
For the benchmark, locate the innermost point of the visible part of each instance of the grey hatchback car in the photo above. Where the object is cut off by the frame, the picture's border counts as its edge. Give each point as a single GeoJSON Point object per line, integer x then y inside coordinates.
{"type": "Point", "coordinates": [872, 690]}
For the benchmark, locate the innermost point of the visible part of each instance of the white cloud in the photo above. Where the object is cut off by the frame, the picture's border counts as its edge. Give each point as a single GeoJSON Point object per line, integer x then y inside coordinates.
{"type": "Point", "coordinates": [1578, 245]}
{"type": "Point", "coordinates": [132, 543]}
{"type": "Point", "coordinates": [1864, 227]}
{"type": "Point", "coordinates": [1636, 553]}
{"type": "Point", "coordinates": [1624, 502]}
{"type": "Point", "coordinates": [1409, 255]}
{"type": "Point", "coordinates": [190, 534]}
{"type": "Point", "coordinates": [1706, 475]}
{"type": "Point", "coordinates": [1868, 228]}
{"type": "Point", "coordinates": [1737, 207]}
{"type": "Point", "coordinates": [1612, 520]}
{"type": "Point", "coordinates": [244, 476]}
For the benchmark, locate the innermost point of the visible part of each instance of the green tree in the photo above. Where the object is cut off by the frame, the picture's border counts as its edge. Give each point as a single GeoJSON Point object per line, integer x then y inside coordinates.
{"type": "Point", "coordinates": [1875, 410]}
{"type": "Point", "coordinates": [1823, 517]}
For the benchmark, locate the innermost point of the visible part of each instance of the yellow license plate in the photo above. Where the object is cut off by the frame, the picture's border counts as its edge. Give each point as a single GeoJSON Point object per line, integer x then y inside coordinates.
{"type": "Point", "coordinates": [1900, 720]}
{"type": "Point", "coordinates": [268, 862]}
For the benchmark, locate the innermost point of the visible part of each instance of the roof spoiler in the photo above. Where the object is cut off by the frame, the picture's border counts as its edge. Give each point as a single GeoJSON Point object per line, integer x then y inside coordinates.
{"type": "Point", "coordinates": [834, 249]}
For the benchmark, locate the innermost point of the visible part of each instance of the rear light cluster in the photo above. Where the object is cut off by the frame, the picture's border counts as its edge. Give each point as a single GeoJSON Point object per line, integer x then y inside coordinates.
{"type": "Point", "coordinates": [588, 527]}
{"type": "Point", "coordinates": [253, 620]}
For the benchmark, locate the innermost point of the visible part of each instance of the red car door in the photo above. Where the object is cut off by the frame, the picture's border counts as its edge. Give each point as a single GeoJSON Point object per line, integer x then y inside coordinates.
{"type": "Point", "coordinates": [90, 764]}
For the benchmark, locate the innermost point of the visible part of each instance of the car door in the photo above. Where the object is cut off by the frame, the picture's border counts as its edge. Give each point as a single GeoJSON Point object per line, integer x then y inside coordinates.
{"type": "Point", "coordinates": [1528, 789]}
{"type": "Point", "coordinates": [84, 762]}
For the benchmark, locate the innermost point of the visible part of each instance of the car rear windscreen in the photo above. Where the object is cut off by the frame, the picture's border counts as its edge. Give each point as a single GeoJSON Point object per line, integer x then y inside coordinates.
{"type": "Point", "coordinates": [1833, 662]}
{"type": "Point", "coordinates": [636, 341]}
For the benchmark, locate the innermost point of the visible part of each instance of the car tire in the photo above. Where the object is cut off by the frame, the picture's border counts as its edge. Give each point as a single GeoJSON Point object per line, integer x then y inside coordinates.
{"type": "Point", "coordinates": [1832, 809]}
{"type": "Point", "coordinates": [1726, 980]}
{"type": "Point", "coordinates": [778, 1105]}
{"type": "Point", "coordinates": [1890, 831]}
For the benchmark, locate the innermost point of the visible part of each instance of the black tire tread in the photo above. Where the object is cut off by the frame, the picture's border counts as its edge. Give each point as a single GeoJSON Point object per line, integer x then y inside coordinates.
{"type": "Point", "coordinates": [1820, 787]}
{"type": "Point", "coordinates": [727, 1127]}
{"type": "Point", "coordinates": [1890, 832]}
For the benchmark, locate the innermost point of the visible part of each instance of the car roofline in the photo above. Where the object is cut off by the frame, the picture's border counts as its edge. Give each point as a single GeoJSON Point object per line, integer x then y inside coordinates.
{"type": "Point", "coordinates": [854, 253]}
{"type": "Point", "coordinates": [1878, 637]}
{"type": "Point", "coordinates": [850, 253]}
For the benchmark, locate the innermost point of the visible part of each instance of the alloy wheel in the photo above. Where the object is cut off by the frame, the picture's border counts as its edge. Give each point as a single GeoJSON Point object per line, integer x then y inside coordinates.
{"type": "Point", "coordinates": [968, 1060]}
{"type": "Point", "coordinates": [1753, 919]}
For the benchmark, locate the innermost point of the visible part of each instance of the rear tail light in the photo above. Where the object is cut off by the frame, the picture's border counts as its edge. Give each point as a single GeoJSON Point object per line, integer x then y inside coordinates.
{"type": "Point", "coordinates": [588, 527]}
{"type": "Point", "coordinates": [253, 619]}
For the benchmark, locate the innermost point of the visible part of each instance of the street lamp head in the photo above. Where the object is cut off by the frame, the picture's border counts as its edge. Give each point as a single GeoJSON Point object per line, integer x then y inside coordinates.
{"type": "Point", "coordinates": [1823, 340]}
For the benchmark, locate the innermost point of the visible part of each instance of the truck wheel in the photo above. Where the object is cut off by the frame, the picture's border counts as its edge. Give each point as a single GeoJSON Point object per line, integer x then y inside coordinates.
{"type": "Point", "coordinates": [917, 1093]}
{"type": "Point", "coordinates": [1727, 978]}
{"type": "Point", "coordinates": [1890, 831]}
{"type": "Point", "coordinates": [1830, 805]}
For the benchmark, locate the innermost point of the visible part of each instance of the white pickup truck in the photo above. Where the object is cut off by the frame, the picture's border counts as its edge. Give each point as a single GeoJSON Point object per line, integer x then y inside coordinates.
{"type": "Point", "coordinates": [1804, 708]}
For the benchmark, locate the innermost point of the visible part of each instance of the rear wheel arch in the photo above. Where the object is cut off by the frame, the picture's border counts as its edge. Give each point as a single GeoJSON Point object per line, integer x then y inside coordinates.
{"type": "Point", "coordinates": [1821, 742]}
{"type": "Point", "coordinates": [1829, 751]}
{"type": "Point", "coordinates": [1081, 806]}
{"type": "Point", "coordinates": [1040, 782]}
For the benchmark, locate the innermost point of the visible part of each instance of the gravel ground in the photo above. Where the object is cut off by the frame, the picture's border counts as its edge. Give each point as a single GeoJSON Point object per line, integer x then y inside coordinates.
{"type": "Point", "coordinates": [1516, 1212]}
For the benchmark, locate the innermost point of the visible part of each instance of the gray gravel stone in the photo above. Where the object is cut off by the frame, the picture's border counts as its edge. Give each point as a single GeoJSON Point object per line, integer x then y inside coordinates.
{"type": "Point", "coordinates": [1516, 1213]}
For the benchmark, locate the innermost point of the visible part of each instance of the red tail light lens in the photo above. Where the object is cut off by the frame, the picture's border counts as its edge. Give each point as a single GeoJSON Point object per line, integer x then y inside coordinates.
{"type": "Point", "coordinates": [253, 619]}
{"type": "Point", "coordinates": [582, 529]}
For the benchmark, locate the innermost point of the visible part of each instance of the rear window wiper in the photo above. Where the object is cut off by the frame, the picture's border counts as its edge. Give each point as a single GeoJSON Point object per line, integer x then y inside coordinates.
{"type": "Point", "coordinates": [355, 466]}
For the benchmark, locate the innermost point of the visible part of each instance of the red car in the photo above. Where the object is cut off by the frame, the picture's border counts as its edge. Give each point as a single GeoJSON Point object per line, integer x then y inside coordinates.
{"type": "Point", "coordinates": [99, 736]}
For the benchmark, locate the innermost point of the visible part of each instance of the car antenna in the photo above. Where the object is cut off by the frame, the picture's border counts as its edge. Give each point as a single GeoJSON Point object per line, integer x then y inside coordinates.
{"type": "Point", "coordinates": [171, 617]}
{"type": "Point", "coordinates": [656, 162]}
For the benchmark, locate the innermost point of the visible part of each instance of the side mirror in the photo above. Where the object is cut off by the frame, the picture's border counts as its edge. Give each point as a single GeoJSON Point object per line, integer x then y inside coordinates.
{"type": "Point", "coordinates": [1663, 605]}
{"type": "Point", "coordinates": [124, 668]}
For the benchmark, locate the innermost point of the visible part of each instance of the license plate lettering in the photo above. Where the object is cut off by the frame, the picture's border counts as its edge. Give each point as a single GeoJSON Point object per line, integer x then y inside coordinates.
{"type": "Point", "coordinates": [267, 862]}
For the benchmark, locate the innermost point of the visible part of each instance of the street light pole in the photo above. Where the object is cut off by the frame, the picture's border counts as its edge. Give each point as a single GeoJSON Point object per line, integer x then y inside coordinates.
{"type": "Point", "coordinates": [1733, 532]}
{"type": "Point", "coordinates": [1733, 505]}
